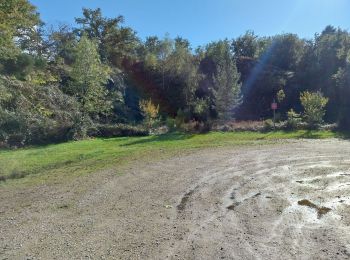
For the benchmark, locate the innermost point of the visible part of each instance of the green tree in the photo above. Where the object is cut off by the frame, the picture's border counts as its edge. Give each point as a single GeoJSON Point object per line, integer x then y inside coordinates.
{"type": "Point", "coordinates": [226, 86]}
{"type": "Point", "coordinates": [62, 42]}
{"type": "Point", "coordinates": [165, 48]}
{"type": "Point", "coordinates": [115, 42]}
{"type": "Point", "coordinates": [285, 51]}
{"type": "Point", "coordinates": [156, 54]}
{"type": "Point", "coordinates": [314, 107]}
{"type": "Point", "coordinates": [182, 69]}
{"type": "Point", "coordinates": [18, 19]}
{"type": "Point", "coordinates": [247, 45]}
{"type": "Point", "coordinates": [342, 82]}
{"type": "Point", "coordinates": [331, 48]}
{"type": "Point", "coordinates": [89, 77]}
{"type": "Point", "coordinates": [227, 90]}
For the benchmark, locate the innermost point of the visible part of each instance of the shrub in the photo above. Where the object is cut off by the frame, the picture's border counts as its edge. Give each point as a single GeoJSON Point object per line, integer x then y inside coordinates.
{"type": "Point", "coordinates": [268, 125]}
{"type": "Point", "coordinates": [42, 133]}
{"type": "Point", "coordinates": [293, 119]}
{"type": "Point", "coordinates": [201, 109]}
{"type": "Point", "coordinates": [280, 95]}
{"type": "Point", "coordinates": [80, 127]}
{"type": "Point", "coordinates": [31, 114]}
{"type": "Point", "coordinates": [239, 126]}
{"type": "Point", "coordinates": [13, 129]}
{"type": "Point", "coordinates": [16, 140]}
{"type": "Point", "coordinates": [170, 123]}
{"type": "Point", "coordinates": [150, 113]}
{"type": "Point", "coordinates": [196, 127]}
{"type": "Point", "coordinates": [180, 118]}
{"type": "Point", "coordinates": [314, 104]}
{"type": "Point", "coordinates": [160, 130]}
{"type": "Point", "coordinates": [329, 127]}
{"type": "Point", "coordinates": [117, 130]}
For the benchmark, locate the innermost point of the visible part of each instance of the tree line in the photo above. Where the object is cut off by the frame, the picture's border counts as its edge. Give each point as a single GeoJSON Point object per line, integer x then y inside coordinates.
{"type": "Point", "coordinates": [68, 82]}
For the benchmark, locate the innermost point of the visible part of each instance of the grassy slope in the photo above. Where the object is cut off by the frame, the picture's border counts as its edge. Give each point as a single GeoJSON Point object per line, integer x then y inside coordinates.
{"type": "Point", "coordinates": [76, 158]}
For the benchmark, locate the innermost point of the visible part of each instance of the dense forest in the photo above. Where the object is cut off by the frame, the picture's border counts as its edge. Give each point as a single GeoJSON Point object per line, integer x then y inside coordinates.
{"type": "Point", "coordinates": [98, 78]}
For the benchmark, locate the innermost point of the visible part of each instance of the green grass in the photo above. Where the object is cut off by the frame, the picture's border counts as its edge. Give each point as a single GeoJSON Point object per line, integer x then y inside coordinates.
{"type": "Point", "coordinates": [77, 158]}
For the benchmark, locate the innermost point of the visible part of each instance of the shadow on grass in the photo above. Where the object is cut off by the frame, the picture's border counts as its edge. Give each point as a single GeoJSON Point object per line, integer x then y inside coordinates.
{"type": "Point", "coordinates": [161, 138]}
{"type": "Point", "coordinates": [314, 134]}
{"type": "Point", "coordinates": [304, 134]}
{"type": "Point", "coordinates": [266, 135]}
{"type": "Point", "coordinates": [311, 134]}
{"type": "Point", "coordinates": [343, 135]}
{"type": "Point", "coordinates": [19, 174]}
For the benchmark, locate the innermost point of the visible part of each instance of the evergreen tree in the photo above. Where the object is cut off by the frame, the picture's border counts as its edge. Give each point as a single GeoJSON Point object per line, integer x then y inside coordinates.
{"type": "Point", "coordinates": [222, 74]}
{"type": "Point", "coordinates": [227, 89]}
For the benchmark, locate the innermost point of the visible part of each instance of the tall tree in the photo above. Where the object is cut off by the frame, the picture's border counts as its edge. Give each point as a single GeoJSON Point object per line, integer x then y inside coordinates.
{"type": "Point", "coordinates": [342, 83]}
{"type": "Point", "coordinates": [182, 71]}
{"type": "Point", "coordinates": [18, 19]}
{"type": "Point", "coordinates": [247, 45]}
{"type": "Point", "coordinates": [89, 76]}
{"type": "Point", "coordinates": [115, 42]}
{"type": "Point", "coordinates": [227, 89]}
{"type": "Point", "coordinates": [165, 48]}
{"type": "Point", "coordinates": [331, 48]}
{"type": "Point", "coordinates": [224, 77]}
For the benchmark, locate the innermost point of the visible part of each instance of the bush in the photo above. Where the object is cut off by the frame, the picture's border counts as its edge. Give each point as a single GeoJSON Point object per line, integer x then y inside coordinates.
{"type": "Point", "coordinates": [196, 127]}
{"type": "Point", "coordinates": [16, 140]}
{"type": "Point", "coordinates": [170, 123]}
{"type": "Point", "coordinates": [268, 125]}
{"type": "Point", "coordinates": [13, 129]}
{"type": "Point", "coordinates": [31, 114]}
{"type": "Point", "coordinates": [239, 126]}
{"type": "Point", "coordinates": [150, 113]}
{"type": "Point", "coordinates": [180, 118]}
{"type": "Point", "coordinates": [329, 127]}
{"type": "Point", "coordinates": [80, 128]}
{"type": "Point", "coordinates": [117, 130]}
{"type": "Point", "coordinates": [293, 119]}
{"type": "Point", "coordinates": [314, 104]}
{"type": "Point", "coordinates": [201, 109]}
{"type": "Point", "coordinates": [160, 130]}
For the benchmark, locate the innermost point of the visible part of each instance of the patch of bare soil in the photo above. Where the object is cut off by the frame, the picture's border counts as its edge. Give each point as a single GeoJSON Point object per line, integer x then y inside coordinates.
{"type": "Point", "coordinates": [290, 200]}
{"type": "Point", "coordinates": [320, 210]}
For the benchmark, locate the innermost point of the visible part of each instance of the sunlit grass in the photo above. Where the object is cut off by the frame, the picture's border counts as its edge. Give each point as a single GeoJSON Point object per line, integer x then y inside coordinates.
{"type": "Point", "coordinates": [81, 157]}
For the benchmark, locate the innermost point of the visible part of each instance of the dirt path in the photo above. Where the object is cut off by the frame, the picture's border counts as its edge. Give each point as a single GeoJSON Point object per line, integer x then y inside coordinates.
{"type": "Point", "coordinates": [285, 201]}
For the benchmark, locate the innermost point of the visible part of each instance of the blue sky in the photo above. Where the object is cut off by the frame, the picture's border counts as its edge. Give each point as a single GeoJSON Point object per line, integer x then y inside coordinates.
{"type": "Point", "coordinates": [202, 21]}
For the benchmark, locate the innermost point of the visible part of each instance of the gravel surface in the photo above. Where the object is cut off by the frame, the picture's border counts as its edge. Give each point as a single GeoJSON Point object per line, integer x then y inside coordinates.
{"type": "Point", "coordinates": [290, 200]}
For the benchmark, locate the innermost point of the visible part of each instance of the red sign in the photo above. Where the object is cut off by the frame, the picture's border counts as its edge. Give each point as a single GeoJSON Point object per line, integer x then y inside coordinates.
{"type": "Point", "coordinates": [273, 106]}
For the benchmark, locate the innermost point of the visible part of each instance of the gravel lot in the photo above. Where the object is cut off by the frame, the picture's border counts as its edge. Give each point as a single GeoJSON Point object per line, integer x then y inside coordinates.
{"type": "Point", "coordinates": [289, 200]}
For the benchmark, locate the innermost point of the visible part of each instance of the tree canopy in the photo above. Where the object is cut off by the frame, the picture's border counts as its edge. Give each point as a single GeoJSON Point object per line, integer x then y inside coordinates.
{"type": "Point", "coordinates": [102, 70]}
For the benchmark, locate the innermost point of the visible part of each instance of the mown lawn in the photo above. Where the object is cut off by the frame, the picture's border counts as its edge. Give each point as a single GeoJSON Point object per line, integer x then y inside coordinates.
{"type": "Point", "coordinates": [81, 157]}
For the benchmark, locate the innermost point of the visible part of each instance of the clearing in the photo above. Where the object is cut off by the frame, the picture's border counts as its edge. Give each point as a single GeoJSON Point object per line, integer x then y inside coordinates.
{"type": "Point", "coordinates": [178, 197]}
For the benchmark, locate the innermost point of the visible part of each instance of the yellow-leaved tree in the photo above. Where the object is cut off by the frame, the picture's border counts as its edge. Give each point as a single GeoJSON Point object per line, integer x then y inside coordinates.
{"type": "Point", "coordinates": [150, 112]}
